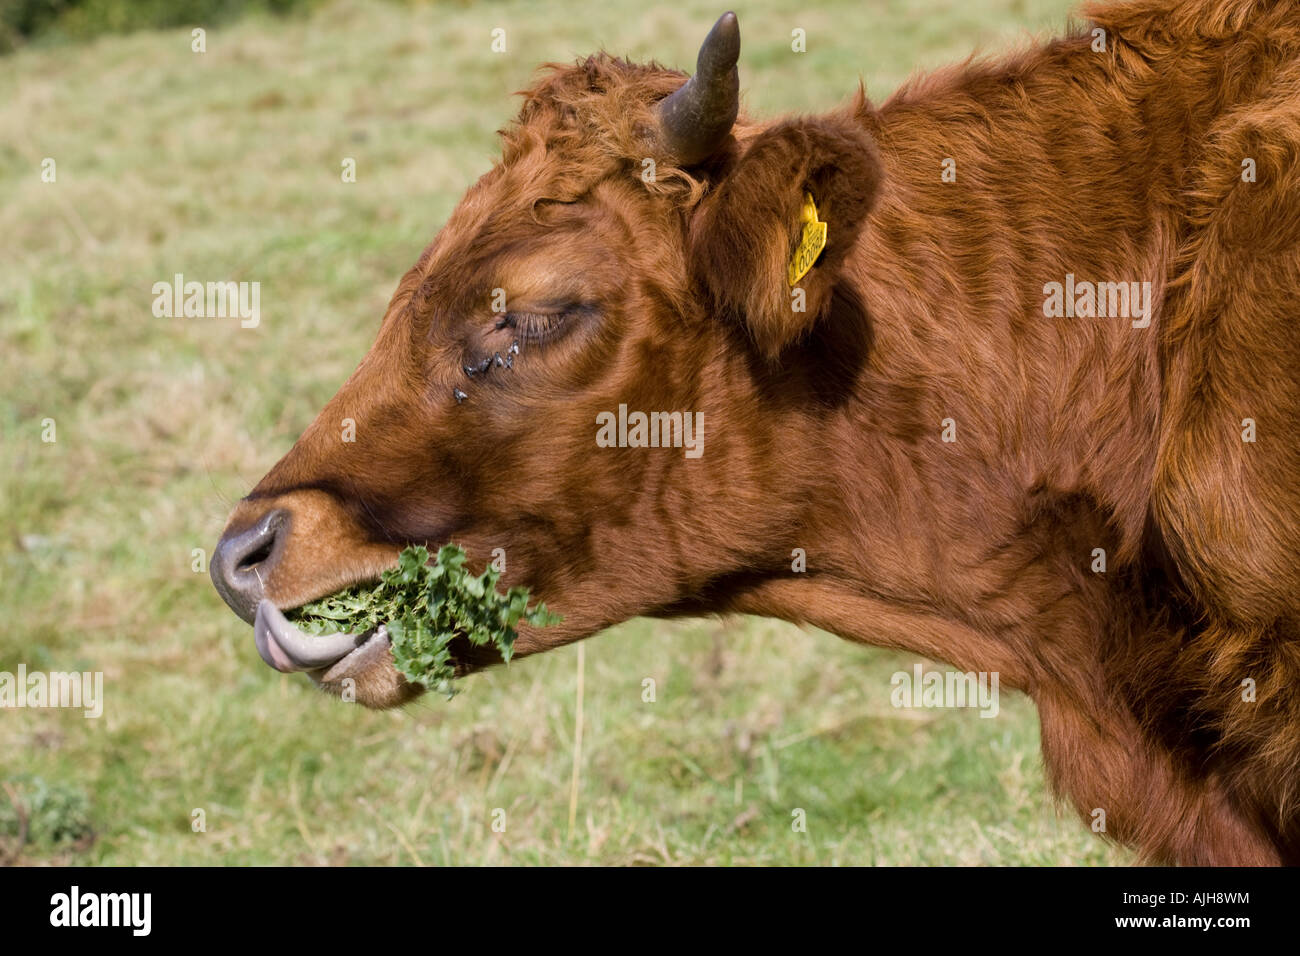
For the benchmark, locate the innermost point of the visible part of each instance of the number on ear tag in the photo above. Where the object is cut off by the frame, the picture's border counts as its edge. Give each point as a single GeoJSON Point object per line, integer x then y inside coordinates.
{"type": "Point", "coordinates": [811, 242]}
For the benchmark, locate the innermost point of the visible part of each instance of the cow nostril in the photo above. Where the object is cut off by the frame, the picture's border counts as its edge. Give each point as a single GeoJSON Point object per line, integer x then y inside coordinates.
{"type": "Point", "coordinates": [254, 558]}
{"type": "Point", "coordinates": [242, 559]}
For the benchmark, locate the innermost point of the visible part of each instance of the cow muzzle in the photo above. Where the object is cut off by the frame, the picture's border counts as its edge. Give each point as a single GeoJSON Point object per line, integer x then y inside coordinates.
{"type": "Point", "coordinates": [241, 565]}
{"type": "Point", "coordinates": [284, 550]}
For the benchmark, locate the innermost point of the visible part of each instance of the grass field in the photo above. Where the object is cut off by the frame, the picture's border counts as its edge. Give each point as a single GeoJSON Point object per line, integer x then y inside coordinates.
{"type": "Point", "coordinates": [226, 164]}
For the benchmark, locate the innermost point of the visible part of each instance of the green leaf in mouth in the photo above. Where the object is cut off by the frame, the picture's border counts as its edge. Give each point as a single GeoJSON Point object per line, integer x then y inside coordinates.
{"type": "Point", "coordinates": [425, 605]}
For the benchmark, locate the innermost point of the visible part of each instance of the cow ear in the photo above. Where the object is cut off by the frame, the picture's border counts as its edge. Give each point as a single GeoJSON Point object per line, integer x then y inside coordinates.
{"type": "Point", "coordinates": [748, 230]}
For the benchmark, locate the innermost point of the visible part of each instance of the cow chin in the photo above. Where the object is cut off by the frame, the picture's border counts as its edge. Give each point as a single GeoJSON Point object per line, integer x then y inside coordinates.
{"type": "Point", "coordinates": [376, 683]}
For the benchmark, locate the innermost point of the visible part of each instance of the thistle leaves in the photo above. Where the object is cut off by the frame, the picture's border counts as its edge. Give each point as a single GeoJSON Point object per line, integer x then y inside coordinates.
{"type": "Point", "coordinates": [424, 606]}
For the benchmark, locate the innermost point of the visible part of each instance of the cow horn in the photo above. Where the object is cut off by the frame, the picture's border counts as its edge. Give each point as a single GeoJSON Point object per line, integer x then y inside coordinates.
{"type": "Point", "coordinates": [697, 118]}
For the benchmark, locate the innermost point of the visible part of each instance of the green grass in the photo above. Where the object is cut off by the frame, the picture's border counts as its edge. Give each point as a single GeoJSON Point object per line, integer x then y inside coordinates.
{"type": "Point", "coordinates": [226, 165]}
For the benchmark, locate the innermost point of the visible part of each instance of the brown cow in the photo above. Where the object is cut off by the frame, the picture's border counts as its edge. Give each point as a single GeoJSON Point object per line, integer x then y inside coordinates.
{"type": "Point", "coordinates": [1032, 411]}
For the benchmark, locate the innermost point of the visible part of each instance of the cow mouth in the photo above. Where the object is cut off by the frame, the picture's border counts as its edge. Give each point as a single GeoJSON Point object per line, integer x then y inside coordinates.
{"type": "Point", "coordinates": [327, 659]}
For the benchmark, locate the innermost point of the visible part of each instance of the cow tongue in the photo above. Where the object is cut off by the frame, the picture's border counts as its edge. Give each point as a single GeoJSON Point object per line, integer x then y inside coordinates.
{"type": "Point", "coordinates": [288, 649]}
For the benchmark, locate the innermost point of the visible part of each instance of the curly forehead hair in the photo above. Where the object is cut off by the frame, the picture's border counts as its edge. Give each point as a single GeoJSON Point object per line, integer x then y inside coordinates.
{"type": "Point", "coordinates": [583, 122]}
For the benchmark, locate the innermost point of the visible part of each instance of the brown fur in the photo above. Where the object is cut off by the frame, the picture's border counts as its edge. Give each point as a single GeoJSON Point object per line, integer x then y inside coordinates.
{"type": "Point", "coordinates": [822, 428]}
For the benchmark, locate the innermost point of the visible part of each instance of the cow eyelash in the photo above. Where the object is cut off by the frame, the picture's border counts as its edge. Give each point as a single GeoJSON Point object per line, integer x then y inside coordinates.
{"type": "Point", "coordinates": [532, 327]}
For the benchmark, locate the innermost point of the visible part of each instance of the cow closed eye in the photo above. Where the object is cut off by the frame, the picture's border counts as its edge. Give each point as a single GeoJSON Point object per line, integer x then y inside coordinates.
{"type": "Point", "coordinates": [539, 326]}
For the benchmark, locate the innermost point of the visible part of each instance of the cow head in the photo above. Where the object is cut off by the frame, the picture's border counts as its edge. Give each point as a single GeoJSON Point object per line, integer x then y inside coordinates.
{"type": "Point", "coordinates": [626, 255]}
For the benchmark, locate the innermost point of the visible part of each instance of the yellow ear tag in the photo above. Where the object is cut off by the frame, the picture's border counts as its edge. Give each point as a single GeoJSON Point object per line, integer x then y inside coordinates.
{"type": "Point", "coordinates": [811, 242]}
